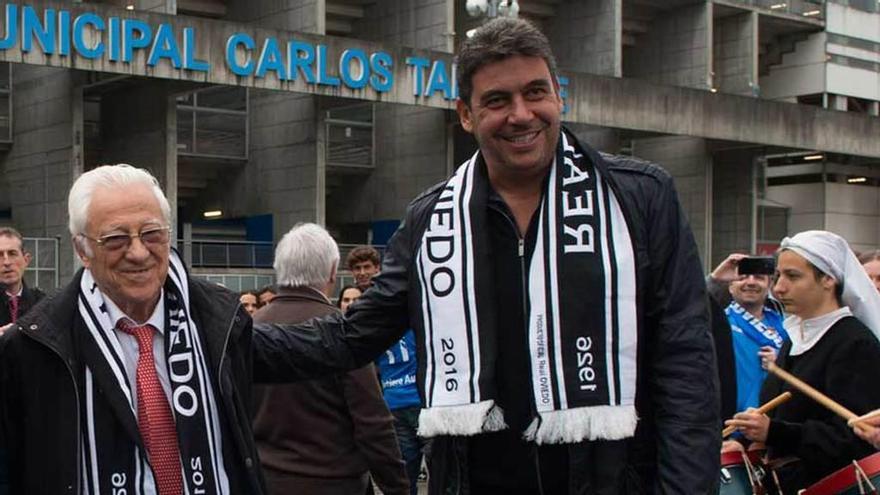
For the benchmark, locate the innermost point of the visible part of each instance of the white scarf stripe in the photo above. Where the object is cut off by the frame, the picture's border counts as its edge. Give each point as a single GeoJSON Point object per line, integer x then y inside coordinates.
{"type": "Point", "coordinates": [627, 324]}
{"type": "Point", "coordinates": [90, 419]}
{"type": "Point", "coordinates": [428, 387]}
{"type": "Point", "coordinates": [114, 351]}
{"type": "Point", "coordinates": [553, 255]}
{"type": "Point", "coordinates": [609, 316]}
{"type": "Point", "coordinates": [545, 398]}
{"type": "Point", "coordinates": [468, 250]}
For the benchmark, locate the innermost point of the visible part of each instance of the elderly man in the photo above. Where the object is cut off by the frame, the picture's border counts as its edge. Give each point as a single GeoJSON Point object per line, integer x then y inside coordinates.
{"type": "Point", "coordinates": [834, 327]}
{"type": "Point", "coordinates": [16, 298]}
{"type": "Point", "coordinates": [134, 378]}
{"type": "Point", "coordinates": [324, 436]}
{"type": "Point", "coordinates": [557, 300]}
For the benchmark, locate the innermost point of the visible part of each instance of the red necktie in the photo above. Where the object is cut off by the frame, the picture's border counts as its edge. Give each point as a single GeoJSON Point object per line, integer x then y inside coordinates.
{"type": "Point", "coordinates": [154, 414]}
{"type": "Point", "coordinates": [13, 308]}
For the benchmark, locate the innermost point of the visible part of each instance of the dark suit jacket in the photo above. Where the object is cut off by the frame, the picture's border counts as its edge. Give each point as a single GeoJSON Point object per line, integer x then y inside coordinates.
{"type": "Point", "coordinates": [323, 436]}
{"type": "Point", "coordinates": [29, 299]}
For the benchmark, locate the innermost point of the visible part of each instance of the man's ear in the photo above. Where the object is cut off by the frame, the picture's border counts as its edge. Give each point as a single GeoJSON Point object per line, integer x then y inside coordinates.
{"type": "Point", "coordinates": [464, 115]}
{"type": "Point", "coordinates": [27, 258]}
{"type": "Point", "coordinates": [80, 251]}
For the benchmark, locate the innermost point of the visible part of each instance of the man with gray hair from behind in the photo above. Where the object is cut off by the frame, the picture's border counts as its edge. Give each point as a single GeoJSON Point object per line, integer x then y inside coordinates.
{"type": "Point", "coordinates": [323, 436]}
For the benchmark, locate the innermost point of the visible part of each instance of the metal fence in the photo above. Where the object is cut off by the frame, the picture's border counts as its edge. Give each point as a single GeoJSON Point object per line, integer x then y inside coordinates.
{"type": "Point", "coordinates": [43, 269]}
{"type": "Point", "coordinates": [813, 9]}
{"type": "Point", "coordinates": [227, 254]}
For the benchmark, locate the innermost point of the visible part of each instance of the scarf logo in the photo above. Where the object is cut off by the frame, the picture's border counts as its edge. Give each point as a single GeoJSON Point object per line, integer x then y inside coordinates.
{"type": "Point", "coordinates": [440, 244]}
{"type": "Point", "coordinates": [579, 238]}
{"type": "Point", "coordinates": [181, 369]}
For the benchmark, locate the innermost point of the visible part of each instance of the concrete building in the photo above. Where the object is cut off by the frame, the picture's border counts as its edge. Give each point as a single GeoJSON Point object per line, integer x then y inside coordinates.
{"type": "Point", "coordinates": [257, 114]}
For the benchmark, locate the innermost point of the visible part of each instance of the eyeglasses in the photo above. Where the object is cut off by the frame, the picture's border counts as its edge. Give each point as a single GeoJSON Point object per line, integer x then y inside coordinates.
{"type": "Point", "coordinates": [150, 237]}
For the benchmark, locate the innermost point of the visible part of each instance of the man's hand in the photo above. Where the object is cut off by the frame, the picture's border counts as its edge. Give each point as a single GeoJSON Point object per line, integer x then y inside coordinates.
{"type": "Point", "coordinates": [767, 355]}
{"type": "Point", "coordinates": [869, 431]}
{"type": "Point", "coordinates": [752, 424]}
{"type": "Point", "coordinates": [726, 271]}
{"type": "Point", "coordinates": [732, 446]}
{"type": "Point", "coordinates": [6, 327]}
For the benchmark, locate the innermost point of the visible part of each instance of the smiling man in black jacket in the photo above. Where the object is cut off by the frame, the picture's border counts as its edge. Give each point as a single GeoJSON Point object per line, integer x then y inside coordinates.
{"type": "Point", "coordinates": [557, 299]}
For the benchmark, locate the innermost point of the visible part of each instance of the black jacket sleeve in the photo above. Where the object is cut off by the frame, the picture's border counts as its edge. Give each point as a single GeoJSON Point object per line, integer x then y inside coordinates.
{"type": "Point", "coordinates": [852, 374]}
{"type": "Point", "coordinates": [682, 370]}
{"type": "Point", "coordinates": [339, 343]}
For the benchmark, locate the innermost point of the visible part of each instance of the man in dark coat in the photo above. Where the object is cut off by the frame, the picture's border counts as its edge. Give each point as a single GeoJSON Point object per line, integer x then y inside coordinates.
{"type": "Point", "coordinates": [16, 298]}
{"type": "Point", "coordinates": [325, 436]}
{"type": "Point", "coordinates": [557, 300]}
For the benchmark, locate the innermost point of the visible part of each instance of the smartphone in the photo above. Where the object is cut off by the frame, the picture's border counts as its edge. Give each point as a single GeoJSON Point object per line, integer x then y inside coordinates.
{"type": "Point", "coordinates": [756, 265]}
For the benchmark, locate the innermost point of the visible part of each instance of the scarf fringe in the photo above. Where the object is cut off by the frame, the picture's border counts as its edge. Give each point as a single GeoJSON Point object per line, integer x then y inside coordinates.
{"type": "Point", "coordinates": [583, 423]}
{"type": "Point", "coordinates": [466, 419]}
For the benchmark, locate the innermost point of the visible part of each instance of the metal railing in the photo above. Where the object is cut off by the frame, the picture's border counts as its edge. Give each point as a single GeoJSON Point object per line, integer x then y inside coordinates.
{"type": "Point", "coordinates": [227, 254]}
{"type": "Point", "coordinates": [810, 9]}
{"type": "Point", "coordinates": [43, 269]}
{"type": "Point", "coordinates": [213, 122]}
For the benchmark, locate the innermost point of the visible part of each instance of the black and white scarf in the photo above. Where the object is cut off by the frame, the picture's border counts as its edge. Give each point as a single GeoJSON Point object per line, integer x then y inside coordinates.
{"type": "Point", "coordinates": [117, 465]}
{"type": "Point", "coordinates": [581, 308]}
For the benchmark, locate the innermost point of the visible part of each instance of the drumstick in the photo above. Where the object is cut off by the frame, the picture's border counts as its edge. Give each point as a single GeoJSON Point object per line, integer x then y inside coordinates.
{"type": "Point", "coordinates": [811, 392]}
{"type": "Point", "coordinates": [767, 407]}
{"type": "Point", "coordinates": [863, 417]}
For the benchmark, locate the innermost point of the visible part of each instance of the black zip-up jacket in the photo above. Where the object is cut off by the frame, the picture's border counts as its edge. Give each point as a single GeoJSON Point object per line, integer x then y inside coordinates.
{"type": "Point", "coordinates": [41, 375]}
{"type": "Point", "coordinates": [677, 443]}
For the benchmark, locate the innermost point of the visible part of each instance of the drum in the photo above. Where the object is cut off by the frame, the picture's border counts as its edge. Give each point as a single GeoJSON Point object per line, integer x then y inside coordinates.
{"type": "Point", "coordinates": [742, 473]}
{"type": "Point", "coordinates": [859, 478]}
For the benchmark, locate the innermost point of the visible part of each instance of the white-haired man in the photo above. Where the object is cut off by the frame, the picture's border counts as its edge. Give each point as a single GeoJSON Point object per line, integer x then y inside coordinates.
{"type": "Point", "coordinates": [324, 436]}
{"type": "Point", "coordinates": [134, 378]}
{"type": "Point", "coordinates": [834, 324]}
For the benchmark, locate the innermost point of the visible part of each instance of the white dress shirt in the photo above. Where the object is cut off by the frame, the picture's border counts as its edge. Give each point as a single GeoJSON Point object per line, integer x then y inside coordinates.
{"type": "Point", "coordinates": [804, 334]}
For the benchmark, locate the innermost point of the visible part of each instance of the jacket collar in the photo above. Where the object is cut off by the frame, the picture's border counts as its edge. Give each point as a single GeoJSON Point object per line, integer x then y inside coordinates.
{"type": "Point", "coordinates": [302, 293]}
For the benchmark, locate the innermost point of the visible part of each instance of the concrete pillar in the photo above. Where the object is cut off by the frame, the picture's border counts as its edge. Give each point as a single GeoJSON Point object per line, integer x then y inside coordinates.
{"type": "Point", "coordinates": [874, 108]}
{"type": "Point", "coordinates": [586, 36]}
{"type": "Point", "coordinates": [139, 127]}
{"type": "Point", "coordinates": [676, 50]}
{"type": "Point", "coordinates": [837, 102]}
{"type": "Point", "coordinates": [733, 202]}
{"type": "Point", "coordinates": [411, 150]}
{"type": "Point", "coordinates": [601, 138]}
{"type": "Point", "coordinates": [735, 54]}
{"type": "Point", "coordinates": [688, 161]}
{"type": "Point", "coordinates": [42, 163]}
{"type": "Point", "coordinates": [282, 176]}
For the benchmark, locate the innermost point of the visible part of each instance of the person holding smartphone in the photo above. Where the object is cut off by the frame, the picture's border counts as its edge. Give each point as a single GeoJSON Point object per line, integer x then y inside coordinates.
{"type": "Point", "coordinates": [756, 326]}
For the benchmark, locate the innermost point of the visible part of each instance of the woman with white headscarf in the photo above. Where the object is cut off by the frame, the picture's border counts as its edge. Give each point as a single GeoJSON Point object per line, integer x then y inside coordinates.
{"type": "Point", "coordinates": [834, 325]}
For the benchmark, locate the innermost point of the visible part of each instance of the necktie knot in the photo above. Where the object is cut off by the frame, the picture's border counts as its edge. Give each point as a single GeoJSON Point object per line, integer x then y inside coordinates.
{"type": "Point", "coordinates": [143, 333]}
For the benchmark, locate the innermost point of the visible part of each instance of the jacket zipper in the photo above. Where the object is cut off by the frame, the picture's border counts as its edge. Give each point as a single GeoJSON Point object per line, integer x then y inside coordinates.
{"type": "Point", "coordinates": [521, 252]}
{"type": "Point", "coordinates": [76, 396]}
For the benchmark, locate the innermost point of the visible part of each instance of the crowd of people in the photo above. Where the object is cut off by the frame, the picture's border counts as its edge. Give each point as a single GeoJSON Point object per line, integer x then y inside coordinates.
{"type": "Point", "coordinates": [538, 324]}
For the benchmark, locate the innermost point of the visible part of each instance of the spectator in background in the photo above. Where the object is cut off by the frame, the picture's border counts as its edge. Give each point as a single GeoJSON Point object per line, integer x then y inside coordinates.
{"type": "Point", "coordinates": [324, 436]}
{"type": "Point", "coordinates": [265, 295]}
{"type": "Point", "coordinates": [363, 262]}
{"type": "Point", "coordinates": [871, 261]}
{"type": "Point", "coordinates": [347, 295]}
{"type": "Point", "coordinates": [16, 298]}
{"type": "Point", "coordinates": [755, 325]}
{"type": "Point", "coordinates": [249, 301]}
{"type": "Point", "coordinates": [397, 372]}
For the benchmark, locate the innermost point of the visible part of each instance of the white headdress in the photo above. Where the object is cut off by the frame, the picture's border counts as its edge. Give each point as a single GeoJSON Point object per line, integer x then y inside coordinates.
{"type": "Point", "coordinates": [831, 254]}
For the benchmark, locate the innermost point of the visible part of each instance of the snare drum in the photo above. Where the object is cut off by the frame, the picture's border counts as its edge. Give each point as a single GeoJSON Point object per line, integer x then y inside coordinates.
{"type": "Point", "coordinates": [858, 478]}
{"type": "Point", "coordinates": [742, 473]}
